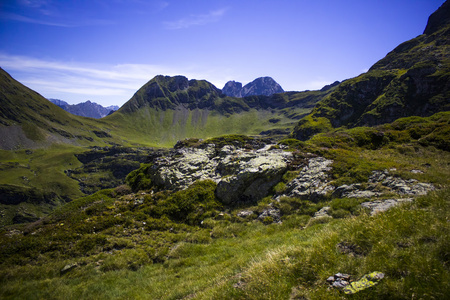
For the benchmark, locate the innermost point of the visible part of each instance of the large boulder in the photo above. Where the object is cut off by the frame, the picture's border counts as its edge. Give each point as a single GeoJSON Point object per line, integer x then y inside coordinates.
{"type": "Point", "coordinates": [241, 175]}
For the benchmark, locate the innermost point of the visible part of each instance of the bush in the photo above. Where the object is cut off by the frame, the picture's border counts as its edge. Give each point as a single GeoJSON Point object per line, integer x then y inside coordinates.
{"type": "Point", "coordinates": [140, 179]}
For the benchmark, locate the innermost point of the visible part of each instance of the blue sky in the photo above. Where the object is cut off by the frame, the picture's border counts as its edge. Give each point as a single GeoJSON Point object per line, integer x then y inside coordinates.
{"type": "Point", "coordinates": [105, 50]}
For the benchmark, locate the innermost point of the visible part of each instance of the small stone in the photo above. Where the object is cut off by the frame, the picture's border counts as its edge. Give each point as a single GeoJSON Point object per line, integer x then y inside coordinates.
{"type": "Point", "coordinates": [67, 268]}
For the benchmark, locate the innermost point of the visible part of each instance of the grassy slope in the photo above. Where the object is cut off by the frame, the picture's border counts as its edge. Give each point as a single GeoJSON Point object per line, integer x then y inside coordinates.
{"type": "Point", "coordinates": [41, 170]}
{"type": "Point", "coordinates": [151, 127]}
{"type": "Point", "coordinates": [136, 245]}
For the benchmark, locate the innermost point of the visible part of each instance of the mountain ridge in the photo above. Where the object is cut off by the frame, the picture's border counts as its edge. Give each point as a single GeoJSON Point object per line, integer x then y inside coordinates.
{"type": "Point", "coordinates": [411, 80]}
{"type": "Point", "coordinates": [86, 109]}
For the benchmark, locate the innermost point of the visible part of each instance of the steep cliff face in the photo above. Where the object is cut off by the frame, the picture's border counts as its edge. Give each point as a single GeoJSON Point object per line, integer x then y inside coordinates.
{"type": "Point", "coordinates": [412, 80]}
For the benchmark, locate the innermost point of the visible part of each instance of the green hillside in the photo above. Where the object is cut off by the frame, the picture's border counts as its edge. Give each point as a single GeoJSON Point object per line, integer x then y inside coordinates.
{"type": "Point", "coordinates": [154, 244]}
{"type": "Point", "coordinates": [412, 80]}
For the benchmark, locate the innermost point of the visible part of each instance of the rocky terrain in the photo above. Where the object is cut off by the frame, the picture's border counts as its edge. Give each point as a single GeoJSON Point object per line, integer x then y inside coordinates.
{"type": "Point", "coordinates": [246, 175]}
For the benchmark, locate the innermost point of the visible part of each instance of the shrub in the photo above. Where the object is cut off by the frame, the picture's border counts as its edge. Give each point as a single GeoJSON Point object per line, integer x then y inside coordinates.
{"type": "Point", "coordinates": [140, 179]}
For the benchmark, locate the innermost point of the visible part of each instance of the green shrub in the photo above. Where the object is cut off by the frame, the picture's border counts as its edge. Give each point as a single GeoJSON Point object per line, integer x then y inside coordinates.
{"type": "Point", "coordinates": [140, 179]}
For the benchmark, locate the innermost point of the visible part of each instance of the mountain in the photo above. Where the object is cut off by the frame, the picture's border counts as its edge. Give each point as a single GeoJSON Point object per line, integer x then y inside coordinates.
{"type": "Point", "coordinates": [412, 80]}
{"type": "Point", "coordinates": [265, 86]}
{"type": "Point", "coordinates": [28, 120]}
{"type": "Point", "coordinates": [167, 109]}
{"type": "Point", "coordinates": [86, 109]}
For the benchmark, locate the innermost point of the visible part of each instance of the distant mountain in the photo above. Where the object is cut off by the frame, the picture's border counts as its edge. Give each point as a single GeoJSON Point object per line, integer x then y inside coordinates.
{"type": "Point", "coordinates": [86, 109]}
{"type": "Point", "coordinates": [166, 93]}
{"type": "Point", "coordinates": [412, 80]}
{"type": "Point", "coordinates": [264, 86]}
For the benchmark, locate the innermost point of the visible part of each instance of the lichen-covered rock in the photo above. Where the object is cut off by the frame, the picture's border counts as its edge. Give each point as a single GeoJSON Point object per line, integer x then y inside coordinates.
{"type": "Point", "coordinates": [399, 185]}
{"type": "Point", "coordinates": [383, 205]}
{"type": "Point", "coordinates": [241, 175]}
{"type": "Point", "coordinates": [250, 176]}
{"type": "Point", "coordinates": [312, 182]}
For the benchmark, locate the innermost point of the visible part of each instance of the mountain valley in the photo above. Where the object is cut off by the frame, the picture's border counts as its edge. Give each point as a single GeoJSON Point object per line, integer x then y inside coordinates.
{"type": "Point", "coordinates": [249, 192]}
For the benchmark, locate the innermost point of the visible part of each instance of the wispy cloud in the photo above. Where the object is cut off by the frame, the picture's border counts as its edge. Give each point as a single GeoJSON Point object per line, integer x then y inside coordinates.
{"type": "Point", "coordinates": [105, 84]}
{"type": "Point", "coordinates": [197, 20]}
{"type": "Point", "coordinates": [19, 18]}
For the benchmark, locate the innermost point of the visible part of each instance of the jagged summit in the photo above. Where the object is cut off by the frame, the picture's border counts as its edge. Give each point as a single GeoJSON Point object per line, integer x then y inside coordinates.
{"type": "Point", "coordinates": [85, 109]}
{"type": "Point", "coordinates": [264, 86]}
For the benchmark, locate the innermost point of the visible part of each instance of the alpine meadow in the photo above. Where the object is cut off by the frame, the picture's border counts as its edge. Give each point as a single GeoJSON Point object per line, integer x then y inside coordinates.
{"type": "Point", "coordinates": [189, 191]}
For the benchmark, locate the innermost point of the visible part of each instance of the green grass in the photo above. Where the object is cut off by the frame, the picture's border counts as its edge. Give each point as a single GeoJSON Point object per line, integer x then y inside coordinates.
{"type": "Point", "coordinates": [259, 261]}
{"type": "Point", "coordinates": [151, 127]}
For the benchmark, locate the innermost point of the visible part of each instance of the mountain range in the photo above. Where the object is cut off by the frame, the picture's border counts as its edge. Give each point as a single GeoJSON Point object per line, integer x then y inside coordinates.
{"type": "Point", "coordinates": [192, 192]}
{"type": "Point", "coordinates": [86, 109]}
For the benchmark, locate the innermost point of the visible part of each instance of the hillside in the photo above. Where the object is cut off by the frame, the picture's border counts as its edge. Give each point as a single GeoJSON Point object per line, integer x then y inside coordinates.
{"type": "Point", "coordinates": [299, 212]}
{"type": "Point", "coordinates": [168, 109]}
{"type": "Point", "coordinates": [355, 207]}
{"type": "Point", "coordinates": [28, 120]}
{"type": "Point", "coordinates": [412, 80]}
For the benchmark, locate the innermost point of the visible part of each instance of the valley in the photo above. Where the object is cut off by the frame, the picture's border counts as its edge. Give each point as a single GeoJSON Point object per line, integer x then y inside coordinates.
{"type": "Point", "coordinates": [192, 192]}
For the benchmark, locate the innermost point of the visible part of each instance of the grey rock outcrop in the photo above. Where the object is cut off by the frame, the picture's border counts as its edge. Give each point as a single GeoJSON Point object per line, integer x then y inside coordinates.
{"type": "Point", "coordinates": [241, 176]}
{"type": "Point", "coordinates": [383, 205]}
{"type": "Point", "coordinates": [312, 183]}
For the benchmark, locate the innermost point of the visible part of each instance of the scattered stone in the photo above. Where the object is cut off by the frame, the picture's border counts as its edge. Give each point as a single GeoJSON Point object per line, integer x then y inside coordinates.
{"type": "Point", "coordinates": [365, 282]}
{"type": "Point", "coordinates": [417, 171]}
{"type": "Point", "coordinates": [383, 205]}
{"type": "Point", "coordinates": [272, 212]}
{"type": "Point", "coordinates": [244, 213]}
{"type": "Point", "coordinates": [354, 191]}
{"type": "Point", "coordinates": [339, 280]}
{"type": "Point", "coordinates": [67, 268]}
{"type": "Point", "coordinates": [399, 185]}
{"type": "Point", "coordinates": [323, 212]}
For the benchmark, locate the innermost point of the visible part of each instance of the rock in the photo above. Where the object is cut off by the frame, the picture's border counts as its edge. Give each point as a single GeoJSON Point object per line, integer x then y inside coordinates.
{"type": "Point", "coordinates": [271, 212]}
{"type": "Point", "coordinates": [244, 213]}
{"type": "Point", "coordinates": [399, 185]}
{"type": "Point", "coordinates": [312, 183]}
{"type": "Point", "coordinates": [241, 175]}
{"type": "Point", "coordinates": [67, 268]}
{"type": "Point", "coordinates": [353, 191]}
{"type": "Point", "coordinates": [339, 280]}
{"type": "Point", "coordinates": [383, 205]}
{"type": "Point", "coordinates": [349, 248]}
{"type": "Point", "coordinates": [323, 212]}
{"type": "Point", "coordinates": [365, 282]}
{"type": "Point", "coordinates": [249, 177]}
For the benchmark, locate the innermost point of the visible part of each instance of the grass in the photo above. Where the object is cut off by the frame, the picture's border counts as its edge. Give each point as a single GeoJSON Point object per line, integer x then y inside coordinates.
{"type": "Point", "coordinates": [174, 245]}
{"type": "Point", "coordinates": [270, 262]}
{"type": "Point", "coordinates": [151, 127]}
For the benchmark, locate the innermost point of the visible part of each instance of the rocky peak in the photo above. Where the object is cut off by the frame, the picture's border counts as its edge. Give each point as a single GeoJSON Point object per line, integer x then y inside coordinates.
{"type": "Point", "coordinates": [262, 86]}
{"type": "Point", "coordinates": [233, 89]}
{"type": "Point", "coordinates": [265, 86]}
{"type": "Point", "coordinates": [438, 19]}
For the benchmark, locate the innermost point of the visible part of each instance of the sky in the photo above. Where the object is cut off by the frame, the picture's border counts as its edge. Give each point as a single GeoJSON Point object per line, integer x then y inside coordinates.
{"type": "Point", "coordinates": [105, 50]}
